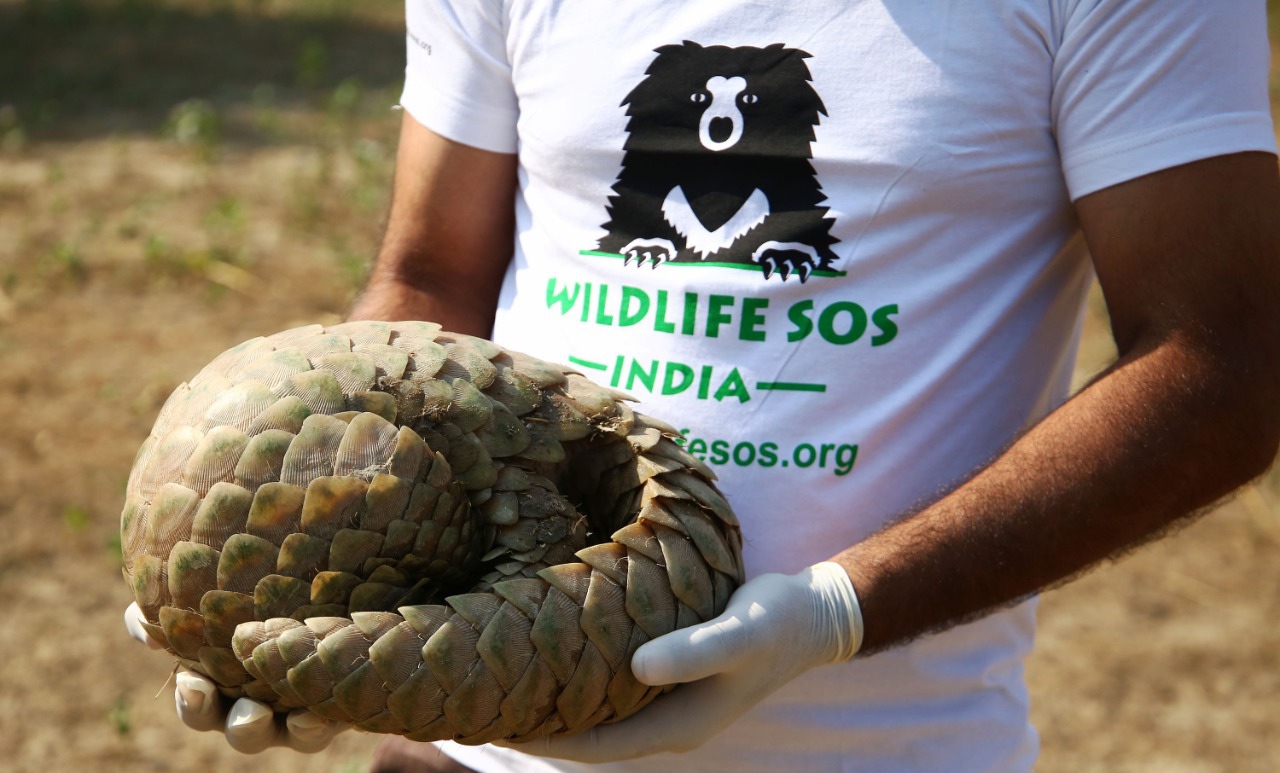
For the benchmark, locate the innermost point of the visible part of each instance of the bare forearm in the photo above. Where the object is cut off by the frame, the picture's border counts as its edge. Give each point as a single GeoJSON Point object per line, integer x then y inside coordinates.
{"type": "Point", "coordinates": [449, 235]}
{"type": "Point", "coordinates": [1126, 458]}
{"type": "Point", "coordinates": [1190, 263]}
{"type": "Point", "coordinates": [457, 309]}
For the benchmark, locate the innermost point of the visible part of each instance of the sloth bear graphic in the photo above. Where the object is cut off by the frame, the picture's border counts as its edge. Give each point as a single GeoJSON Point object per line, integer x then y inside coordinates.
{"type": "Point", "coordinates": [717, 163]}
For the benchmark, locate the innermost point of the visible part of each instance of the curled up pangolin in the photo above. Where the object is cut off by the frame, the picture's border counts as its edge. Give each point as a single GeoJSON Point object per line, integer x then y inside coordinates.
{"type": "Point", "coordinates": [419, 533]}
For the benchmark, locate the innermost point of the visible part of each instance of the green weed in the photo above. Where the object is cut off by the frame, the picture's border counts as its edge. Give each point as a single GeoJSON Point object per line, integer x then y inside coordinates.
{"type": "Point", "coordinates": [352, 265]}
{"type": "Point", "coordinates": [311, 63]}
{"type": "Point", "coordinates": [64, 261]}
{"type": "Point", "coordinates": [345, 97]}
{"type": "Point", "coordinates": [160, 258]}
{"type": "Point", "coordinates": [266, 116]}
{"type": "Point", "coordinates": [373, 166]}
{"type": "Point", "coordinates": [197, 124]}
{"type": "Point", "coordinates": [55, 172]}
{"type": "Point", "coordinates": [75, 517]}
{"type": "Point", "coordinates": [225, 221]}
{"type": "Point", "coordinates": [12, 134]}
{"type": "Point", "coordinates": [119, 716]}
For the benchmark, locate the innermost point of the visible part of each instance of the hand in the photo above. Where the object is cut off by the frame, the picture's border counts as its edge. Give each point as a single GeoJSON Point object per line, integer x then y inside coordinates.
{"type": "Point", "coordinates": [249, 726]}
{"type": "Point", "coordinates": [775, 628]}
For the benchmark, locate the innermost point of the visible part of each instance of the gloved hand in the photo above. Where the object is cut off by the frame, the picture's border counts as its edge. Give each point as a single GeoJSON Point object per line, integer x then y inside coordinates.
{"type": "Point", "coordinates": [249, 726]}
{"type": "Point", "coordinates": [775, 628]}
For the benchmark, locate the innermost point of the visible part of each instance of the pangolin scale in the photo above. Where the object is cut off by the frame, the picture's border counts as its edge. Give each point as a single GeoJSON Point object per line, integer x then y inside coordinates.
{"type": "Point", "coordinates": [420, 533]}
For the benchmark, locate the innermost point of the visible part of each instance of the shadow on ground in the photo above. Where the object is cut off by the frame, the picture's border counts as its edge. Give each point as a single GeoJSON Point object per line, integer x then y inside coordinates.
{"type": "Point", "coordinates": [78, 69]}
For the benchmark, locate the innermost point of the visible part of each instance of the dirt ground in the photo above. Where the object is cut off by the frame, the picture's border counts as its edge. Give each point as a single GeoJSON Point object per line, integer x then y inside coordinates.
{"type": "Point", "coordinates": [176, 177]}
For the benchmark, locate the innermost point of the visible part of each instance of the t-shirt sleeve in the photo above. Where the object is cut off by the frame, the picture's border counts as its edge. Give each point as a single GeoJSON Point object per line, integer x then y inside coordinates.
{"type": "Point", "coordinates": [457, 77]}
{"type": "Point", "coordinates": [1145, 85]}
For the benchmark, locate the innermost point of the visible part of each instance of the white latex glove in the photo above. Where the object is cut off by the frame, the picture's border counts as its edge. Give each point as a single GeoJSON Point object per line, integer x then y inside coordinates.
{"type": "Point", "coordinates": [775, 628]}
{"type": "Point", "coordinates": [249, 726]}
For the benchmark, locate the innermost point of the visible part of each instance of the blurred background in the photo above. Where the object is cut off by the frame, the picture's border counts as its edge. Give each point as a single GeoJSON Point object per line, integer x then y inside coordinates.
{"type": "Point", "coordinates": [179, 175]}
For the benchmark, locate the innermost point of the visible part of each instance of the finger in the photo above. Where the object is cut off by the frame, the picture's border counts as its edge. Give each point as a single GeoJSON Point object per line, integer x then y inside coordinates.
{"type": "Point", "coordinates": [693, 653]}
{"type": "Point", "coordinates": [309, 732]}
{"type": "Point", "coordinates": [133, 620]}
{"type": "Point", "coordinates": [580, 747]}
{"type": "Point", "coordinates": [677, 722]}
{"type": "Point", "coordinates": [251, 727]}
{"type": "Point", "coordinates": [571, 748]}
{"type": "Point", "coordinates": [198, 703]}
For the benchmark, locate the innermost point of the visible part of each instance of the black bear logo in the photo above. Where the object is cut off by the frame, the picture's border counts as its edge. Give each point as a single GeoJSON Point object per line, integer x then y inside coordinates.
{"type": "Point", "coordinates": [717, 163]}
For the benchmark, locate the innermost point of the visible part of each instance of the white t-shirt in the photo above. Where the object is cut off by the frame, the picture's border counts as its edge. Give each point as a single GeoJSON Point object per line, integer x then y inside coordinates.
{"type": "Point", "coordinates": [913, 163]}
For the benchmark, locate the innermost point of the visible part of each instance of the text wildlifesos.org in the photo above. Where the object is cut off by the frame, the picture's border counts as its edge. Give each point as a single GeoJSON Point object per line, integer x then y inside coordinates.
{"type": "Point", "coordinates": [837, 457]}
{"type": "Point", "coordinates": [712, 315]}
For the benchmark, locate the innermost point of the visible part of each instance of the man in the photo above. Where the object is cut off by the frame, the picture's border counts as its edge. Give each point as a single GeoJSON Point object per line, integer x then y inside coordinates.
{"type": "Point", "coordinates": [862, 233]}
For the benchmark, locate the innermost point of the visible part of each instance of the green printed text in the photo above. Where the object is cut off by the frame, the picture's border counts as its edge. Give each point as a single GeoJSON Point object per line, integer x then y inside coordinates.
{"type": "Point", "coordinates": [712, 315]}
{"type": "Point", "coordinates": [669, 377]}
{"type": "Point", "coordinates": [839, 458]}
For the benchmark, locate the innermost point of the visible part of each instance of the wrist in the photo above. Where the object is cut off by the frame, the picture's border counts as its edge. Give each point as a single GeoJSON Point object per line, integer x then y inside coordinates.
{"type": "Point", "coordinates": [839, 601]}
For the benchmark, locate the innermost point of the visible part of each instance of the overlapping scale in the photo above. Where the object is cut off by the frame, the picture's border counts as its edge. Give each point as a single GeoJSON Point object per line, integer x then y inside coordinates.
{"type": "Point", "coordinates": [418, 532]}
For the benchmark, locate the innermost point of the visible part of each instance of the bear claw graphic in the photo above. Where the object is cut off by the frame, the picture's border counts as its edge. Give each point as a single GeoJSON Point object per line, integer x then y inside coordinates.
{"type": "Point", "coordinates": [787, 258]}
{"type": "Point", "coordinates": [654, 250]}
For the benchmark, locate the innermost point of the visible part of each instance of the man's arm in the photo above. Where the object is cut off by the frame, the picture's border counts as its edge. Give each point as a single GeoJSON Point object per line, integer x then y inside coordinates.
{"type": "Point", "coordinates": [1189, 262]}
{"type": "Point", "coordinates": [449, 235]}
{"type": "Point", "coordinates": [1189, 259]}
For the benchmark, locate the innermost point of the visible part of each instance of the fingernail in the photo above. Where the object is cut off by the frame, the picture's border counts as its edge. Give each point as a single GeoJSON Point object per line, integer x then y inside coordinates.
{"type": "Point", "coordinates": [193, 692]}
{"type": "Point", "coordinates": [309, 732]}
{"type": "Point", "coordinates": [306, 720]}
{"type": "Point", "coordinates": [246, 712]}
{"type": "Point", "coordinates": [307, 725]}
{"type": "Point", "coordinates": [640, 666]}
{"type": "Point", "coordinates": [249, 727]}
{"type": "Point", "coordinates": [133, 620]}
